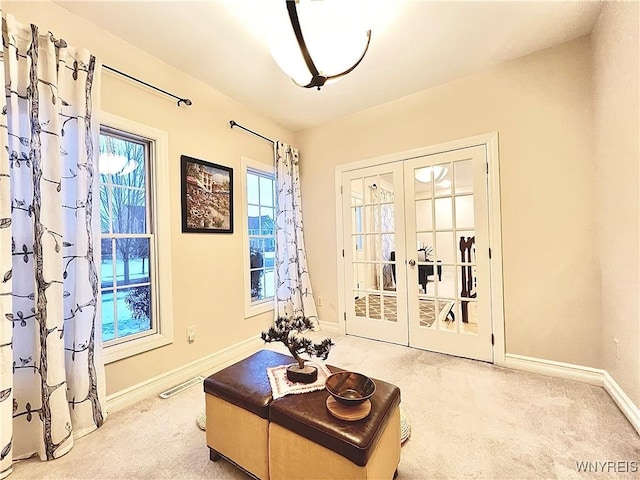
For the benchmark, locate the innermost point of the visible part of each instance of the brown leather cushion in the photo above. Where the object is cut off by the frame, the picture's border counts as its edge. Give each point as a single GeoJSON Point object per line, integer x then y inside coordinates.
{"type": "Point", "coordinates": [245, 383]}
{"type": "Point", "coordinates": [307, 415]}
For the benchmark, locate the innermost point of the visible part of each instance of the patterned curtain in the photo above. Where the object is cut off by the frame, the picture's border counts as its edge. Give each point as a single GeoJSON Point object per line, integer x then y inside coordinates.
{"type": "Point", "coordinates": [384, 222]}
{"type": "Point", "coordinates": [294, 296]}
{"type": "Point", "coordinates": [51, 374]}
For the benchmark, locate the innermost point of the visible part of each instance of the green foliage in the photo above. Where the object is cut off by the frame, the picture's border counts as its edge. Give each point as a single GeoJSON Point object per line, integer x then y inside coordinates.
{"type": "Point", "coordinates": [139, 302]}
{"type": "Point", "coordinates": [285, 331]}
{"type": "Point", "coordinates": [256, 261]}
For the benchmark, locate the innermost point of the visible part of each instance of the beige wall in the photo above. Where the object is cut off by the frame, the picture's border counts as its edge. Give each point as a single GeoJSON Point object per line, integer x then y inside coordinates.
{"type": "Point", "coordinates": [207, 269]}
{"type": "Point", "coordinates": [617, 113]}
{"type": "Point", "coordinates": [541, 105]}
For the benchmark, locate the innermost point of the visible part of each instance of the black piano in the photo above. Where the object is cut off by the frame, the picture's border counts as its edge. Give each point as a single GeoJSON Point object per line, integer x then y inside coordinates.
{"type": "Point", "coordinates": [424, 271]}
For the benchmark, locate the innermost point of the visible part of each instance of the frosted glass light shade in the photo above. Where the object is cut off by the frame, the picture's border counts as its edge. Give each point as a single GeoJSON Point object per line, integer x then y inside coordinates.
{"type": "Point", "coordinates": [110, 163]}
{"type": "Point", "coordinates": [334, 32]}
{"type": "Point", "coordinates": [424, 175]}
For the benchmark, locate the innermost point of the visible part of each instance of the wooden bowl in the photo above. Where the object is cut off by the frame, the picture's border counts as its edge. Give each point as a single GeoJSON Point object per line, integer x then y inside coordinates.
{"type": "Point", "coordinates": [350, 388]}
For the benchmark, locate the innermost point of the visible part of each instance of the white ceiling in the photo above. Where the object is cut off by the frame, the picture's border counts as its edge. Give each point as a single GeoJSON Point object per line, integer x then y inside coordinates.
{"type": "Point", "coordinates": [423, 44]}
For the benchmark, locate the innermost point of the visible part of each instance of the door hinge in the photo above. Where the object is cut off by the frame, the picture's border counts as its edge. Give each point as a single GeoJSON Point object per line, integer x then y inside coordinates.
{"type": "Point", "coordinates": [489, 253]}
{"type": "Point", "coordinates": [341, 190]}
{"type": "Point", "coordinates": [343, 252]}
{"type": "Point", "coordinates": [493, 339]}
{"type": "Point", "coordinates": [345, 316]}
{"type": "Point", "coordinates": [487, 167]}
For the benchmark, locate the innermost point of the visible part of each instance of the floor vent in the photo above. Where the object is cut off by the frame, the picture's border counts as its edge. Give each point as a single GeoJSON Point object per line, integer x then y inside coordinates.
{"type": "Point", "coordinates": [179, 388]}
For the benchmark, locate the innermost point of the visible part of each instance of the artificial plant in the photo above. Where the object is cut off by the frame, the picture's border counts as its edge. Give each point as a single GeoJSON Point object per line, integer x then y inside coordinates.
{"type": "Point", "coordinates": [287, 330]}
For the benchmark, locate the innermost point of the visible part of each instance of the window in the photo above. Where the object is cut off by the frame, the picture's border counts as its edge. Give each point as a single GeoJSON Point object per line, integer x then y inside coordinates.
{"type": "Point", "coordinates": [260, 242]}
{"type": "Point", "coordinates": [133, 317]}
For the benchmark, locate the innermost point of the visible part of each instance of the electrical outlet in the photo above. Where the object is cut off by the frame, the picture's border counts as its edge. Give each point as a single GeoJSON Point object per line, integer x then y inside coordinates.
{"type": "Point", "coordinates": [191, 334]}
{"type": "Point", "coordinates": [616, 346]}
{"type": "Point", "coordinates": [319, 301]}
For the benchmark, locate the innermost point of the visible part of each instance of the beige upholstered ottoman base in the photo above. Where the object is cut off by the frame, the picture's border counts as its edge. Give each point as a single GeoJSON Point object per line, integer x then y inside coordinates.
{"type": "Point", "coordinates": [238, 435]}
{"type": "Point", "coordinates": [292, 456]}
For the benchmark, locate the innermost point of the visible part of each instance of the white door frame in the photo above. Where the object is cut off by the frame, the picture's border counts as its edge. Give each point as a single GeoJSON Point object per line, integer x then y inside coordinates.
{"type": "Point", "coordinates": [490, 141]}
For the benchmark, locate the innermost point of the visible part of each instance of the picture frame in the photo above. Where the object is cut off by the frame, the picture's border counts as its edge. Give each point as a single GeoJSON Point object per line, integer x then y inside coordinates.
{"type": "Point", "coordinates": [207, 196]}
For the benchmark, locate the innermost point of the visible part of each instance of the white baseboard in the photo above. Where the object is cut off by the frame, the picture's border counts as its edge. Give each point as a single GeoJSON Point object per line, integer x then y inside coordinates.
{"type": "Point", "coordinates": [568, 371]}
{"type": "Point", "coordinates": [330, 327]}
{"type": "Point", "coordinates": [203, 367]}
{"type": "Point", "coordinates": [623, 401]}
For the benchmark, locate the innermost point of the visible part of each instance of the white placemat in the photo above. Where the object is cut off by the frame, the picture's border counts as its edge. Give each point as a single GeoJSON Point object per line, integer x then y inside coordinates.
{"type": "Point", "coordinates": [281, 385]}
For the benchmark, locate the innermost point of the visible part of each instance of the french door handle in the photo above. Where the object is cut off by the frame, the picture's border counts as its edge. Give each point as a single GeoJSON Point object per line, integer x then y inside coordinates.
{"type": "Point", "coordinates": [412, 262]}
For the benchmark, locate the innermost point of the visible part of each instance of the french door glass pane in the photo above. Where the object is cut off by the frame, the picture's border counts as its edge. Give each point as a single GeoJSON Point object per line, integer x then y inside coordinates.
{"type": "Point", "coordinates": [357, 245]}
{"type": "Point", "coordinates": [370, 194]}
{"type": "Point", "coordinates": [356, 192]}
{"type": "Point", "coordinates": [390, 308]}
{"type": "Point", "coordinates": [425, 241]}
{"type": "Point", "coordinates": [469, 317]}
{"type": "Point", "coordinates": [388, 245]}
{"type": "Point", "coordinates": [468, 281]}
{"type": "Point", "coordinates": [463, 177]}
{"type": "Point", "coordinates": [446, 314]}
{"type": "Point", "coordinates": [444, 250]}
{"type": "Point", "coordinates": [356, 220]}
{"type": "Point", "coordinates": [443, 177]}
{"type": "Point", "coordinates": [360, 304]}
{"type": "Point", "coordinates": [464, 212]}
{"type": "Point", "coordinates": [444, 213]}
{"type": "Point", "coordinates": [424, 215]}
{"type": "Point", "coordinates": [372, 218]}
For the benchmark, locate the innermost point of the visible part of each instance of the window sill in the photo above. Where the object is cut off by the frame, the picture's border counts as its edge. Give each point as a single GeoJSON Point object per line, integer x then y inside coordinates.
{"type": "Point", "coordinates": [259, 308]}
{"type": "Point", "coordinates": [113, 353]}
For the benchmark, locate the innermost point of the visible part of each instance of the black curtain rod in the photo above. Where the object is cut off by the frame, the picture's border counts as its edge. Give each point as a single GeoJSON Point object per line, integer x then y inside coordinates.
{"type": "Point", "coordinates": [186, 101]}
{"type": "Point", "coordinates": [232, 123]}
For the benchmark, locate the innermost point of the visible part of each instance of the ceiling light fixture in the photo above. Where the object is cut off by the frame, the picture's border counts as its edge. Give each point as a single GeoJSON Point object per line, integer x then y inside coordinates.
{"type": "Point", "coordinates": [332, 44]}
{"type": "Point", "coordinates": [112, 163]}
{"type": "Point", "coordinates": [427, 174]}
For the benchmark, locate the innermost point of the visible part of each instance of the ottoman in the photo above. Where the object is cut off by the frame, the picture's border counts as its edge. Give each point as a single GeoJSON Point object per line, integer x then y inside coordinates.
{"type": "Point", "coordinates": [237, 412]}
{"type": "Point", "coordinates": [307, 442]}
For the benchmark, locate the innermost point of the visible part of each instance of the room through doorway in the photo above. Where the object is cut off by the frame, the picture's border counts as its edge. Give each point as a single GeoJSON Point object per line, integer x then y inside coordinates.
{"type": "Point", "coordinates": [416, 252]}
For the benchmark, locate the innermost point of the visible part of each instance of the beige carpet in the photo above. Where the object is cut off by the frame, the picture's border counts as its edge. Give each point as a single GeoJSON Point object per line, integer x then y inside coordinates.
{"type": "Point", "coordinates": [468, 420]}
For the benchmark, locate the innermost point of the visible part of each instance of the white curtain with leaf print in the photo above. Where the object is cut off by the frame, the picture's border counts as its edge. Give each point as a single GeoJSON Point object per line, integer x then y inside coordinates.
{"type": "Point", "coordinates": [51, 374]}
{"type": "Point", "coordinates": [294, 296]}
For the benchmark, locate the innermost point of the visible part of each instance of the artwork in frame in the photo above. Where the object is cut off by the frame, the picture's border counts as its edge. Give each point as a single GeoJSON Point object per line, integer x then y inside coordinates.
{"type": "Point", "coordinates": [207, 196]}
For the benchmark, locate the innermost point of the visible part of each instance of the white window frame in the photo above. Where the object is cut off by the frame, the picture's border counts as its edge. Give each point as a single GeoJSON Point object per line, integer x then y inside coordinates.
{"type": "Point", "coordinates": [161, 226]}
{"type": "Point", "coordinates": [251, 309]}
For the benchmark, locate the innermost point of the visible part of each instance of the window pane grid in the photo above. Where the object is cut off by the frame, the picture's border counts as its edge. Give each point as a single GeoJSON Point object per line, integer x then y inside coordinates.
{"type": "Point", "coordinates": [261, 234]}
{"type": "Point", "coordinates": [128, 297]}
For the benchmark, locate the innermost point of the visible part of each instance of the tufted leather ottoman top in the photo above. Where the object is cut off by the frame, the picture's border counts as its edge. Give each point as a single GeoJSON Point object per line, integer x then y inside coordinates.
{"type": "Point", "coordinates": [245, 384]}
{"type": "Point", "coordinates": [307, 415]}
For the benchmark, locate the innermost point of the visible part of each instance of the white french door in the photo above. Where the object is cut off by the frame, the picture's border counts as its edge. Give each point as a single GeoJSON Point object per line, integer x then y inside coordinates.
{"type": "Point", "coordinates": [447, 236]}
{"type": "Point", "coordinates": [374, 223]}
{"type": "Point", "coordinates": [417, 262]}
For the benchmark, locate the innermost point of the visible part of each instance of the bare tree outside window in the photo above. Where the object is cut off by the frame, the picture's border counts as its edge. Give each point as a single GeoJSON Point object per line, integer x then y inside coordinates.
{"type": "Point", "coordinates": [125, 247]}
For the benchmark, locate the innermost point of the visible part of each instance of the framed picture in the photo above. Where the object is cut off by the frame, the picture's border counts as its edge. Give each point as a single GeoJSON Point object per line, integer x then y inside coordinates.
{"type": "Point", "coordinates": [207, 196]}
